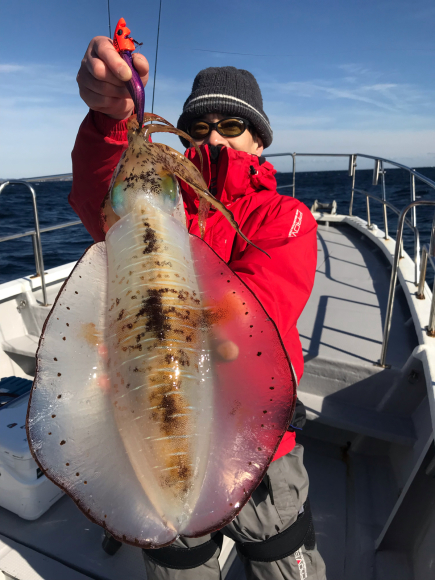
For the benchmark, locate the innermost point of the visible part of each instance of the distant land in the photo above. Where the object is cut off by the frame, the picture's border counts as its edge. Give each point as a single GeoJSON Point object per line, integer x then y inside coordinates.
{"type": "Point", "coordinates": [68, 176]}
{"type": "Point", "coordinates": [59, 177]}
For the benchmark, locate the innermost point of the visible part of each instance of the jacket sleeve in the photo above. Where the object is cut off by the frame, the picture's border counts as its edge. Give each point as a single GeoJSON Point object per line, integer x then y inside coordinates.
{"type": "Point", "coordinates": [99, 145]}
{"type": "Point", "coordinates": [283, 282]}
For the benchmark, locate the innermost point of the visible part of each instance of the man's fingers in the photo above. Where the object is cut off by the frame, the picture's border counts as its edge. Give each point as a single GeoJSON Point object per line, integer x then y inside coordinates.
{"type": "Point", "coordinates": [102, 50]}
{"type": "Point", "coordinates": [114, 107]}
{"type": "Point", "coordinates": [102, 77]}
{"type": "Point", "coordinates": [87, 80]}
{"type": "Point", "coordinates": [96, 101]}
{"type": "Point", "coordinates": [142, 67]}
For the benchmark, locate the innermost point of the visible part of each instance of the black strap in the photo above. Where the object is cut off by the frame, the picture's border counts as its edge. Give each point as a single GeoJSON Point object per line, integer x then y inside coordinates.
{"type": "Point", "coordinates": [299, 417]}
{"type": "Point", "coordinates": [185, 558]}
{"type": "Point", "coordinates": [283, 544]}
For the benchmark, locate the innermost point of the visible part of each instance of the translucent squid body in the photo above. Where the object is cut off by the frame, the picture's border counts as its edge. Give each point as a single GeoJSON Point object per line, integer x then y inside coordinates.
{"type": "Point", "coordinates": [162, 387]}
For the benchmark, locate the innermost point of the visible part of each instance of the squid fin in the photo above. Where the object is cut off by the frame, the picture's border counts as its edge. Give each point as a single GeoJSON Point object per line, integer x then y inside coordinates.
{"type": "Point", "coordinates": [254, 387]}
{"type": "Point", "coordinates": [74, 436]}
{"type": "Point", "coordinates": [70, 424]}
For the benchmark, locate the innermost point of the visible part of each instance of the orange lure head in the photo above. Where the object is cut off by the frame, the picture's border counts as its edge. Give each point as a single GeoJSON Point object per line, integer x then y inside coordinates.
{"type": "Point", "coordinates": [121, 40]}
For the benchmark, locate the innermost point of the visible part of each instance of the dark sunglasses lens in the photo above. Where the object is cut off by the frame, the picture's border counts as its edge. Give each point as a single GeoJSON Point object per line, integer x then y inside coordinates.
{"type": "Point", "coordinates": [199, 130]}
{"type": "Point", "coordinates": [231, 127]}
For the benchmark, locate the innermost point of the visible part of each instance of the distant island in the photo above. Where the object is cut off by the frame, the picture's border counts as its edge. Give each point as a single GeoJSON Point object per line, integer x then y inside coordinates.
{"type": "Point", "coordinates": [60, 177]}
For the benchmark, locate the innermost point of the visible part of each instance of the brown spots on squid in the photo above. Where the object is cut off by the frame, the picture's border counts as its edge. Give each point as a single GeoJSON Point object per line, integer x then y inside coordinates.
{"type": "Point", "coordinates": [139, 336]}
{"type": "Point", "coordinates": [227, 309]}
{"type": "Point", "coordinates": [172, 417]}
{"type": "Point", "coordinates": [181, 358]}
{"type": "Point", "coordinates": [131, 347]}
{"type": "Point", "coordinates": [180, 314]}
{"type": "Point", "coordinates": [163, 264]}
{"type": "Point", "coordinates": [152, 309]}
{"type": "Point", "coordinates": [183, 295]}
{"type": "Point", "coordinates": [90, 333]}
{"type": "Point", "coordinates": [150, 240]}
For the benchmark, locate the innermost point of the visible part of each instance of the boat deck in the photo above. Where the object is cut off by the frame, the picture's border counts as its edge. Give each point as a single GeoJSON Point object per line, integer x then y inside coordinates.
{"type": "Point", "coordinates": [341, 332]}
{"type": "Point", "coordinates": [344, 318]}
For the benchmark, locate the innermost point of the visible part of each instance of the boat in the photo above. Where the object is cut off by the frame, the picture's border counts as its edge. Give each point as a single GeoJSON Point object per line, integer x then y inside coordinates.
{"type": "Point", "coordinates": [368, 335]}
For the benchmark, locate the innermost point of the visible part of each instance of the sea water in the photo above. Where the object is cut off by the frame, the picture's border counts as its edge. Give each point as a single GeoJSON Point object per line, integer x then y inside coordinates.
{"type": "Point", "coordinates": [68, 244]}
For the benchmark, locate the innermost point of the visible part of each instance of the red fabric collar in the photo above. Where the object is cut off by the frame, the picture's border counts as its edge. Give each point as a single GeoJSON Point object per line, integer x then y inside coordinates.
{"type": "Point", "coordinates": [238, 174]}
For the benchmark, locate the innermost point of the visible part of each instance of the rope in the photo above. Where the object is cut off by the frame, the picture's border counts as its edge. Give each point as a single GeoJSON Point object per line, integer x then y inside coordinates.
{"type": "Point", "coordinates": [108, 13]}
{"type": "Point", "coordinates": [157, 50]}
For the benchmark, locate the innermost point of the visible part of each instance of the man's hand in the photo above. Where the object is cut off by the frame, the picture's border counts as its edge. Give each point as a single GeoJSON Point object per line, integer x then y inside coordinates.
{"type": "Point", "coordinates": [102, 77]}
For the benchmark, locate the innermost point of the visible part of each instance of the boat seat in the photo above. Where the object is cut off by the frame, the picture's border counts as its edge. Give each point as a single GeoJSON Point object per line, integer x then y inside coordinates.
{"type": "Point", "coordinates": [369, 422]}
{"type": "Point", "coordinates": [24, 345]}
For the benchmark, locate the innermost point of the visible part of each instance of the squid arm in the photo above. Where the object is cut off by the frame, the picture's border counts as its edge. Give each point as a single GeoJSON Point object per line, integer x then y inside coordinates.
{"type": "Point", "coordinates": [185, 170]}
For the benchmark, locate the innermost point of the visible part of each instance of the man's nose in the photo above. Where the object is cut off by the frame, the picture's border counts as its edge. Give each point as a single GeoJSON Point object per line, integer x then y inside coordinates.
{"type": "Point", "coordinates": [215, 139]}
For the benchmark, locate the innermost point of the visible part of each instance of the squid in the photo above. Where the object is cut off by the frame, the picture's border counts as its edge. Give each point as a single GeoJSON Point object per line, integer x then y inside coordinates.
{"type": "Point", "coordinates": [162, 387]}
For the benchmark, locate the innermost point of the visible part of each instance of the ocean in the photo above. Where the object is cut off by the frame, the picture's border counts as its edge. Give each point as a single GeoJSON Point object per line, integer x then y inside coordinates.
{"type": "Point", "coordinates": [67, 245]}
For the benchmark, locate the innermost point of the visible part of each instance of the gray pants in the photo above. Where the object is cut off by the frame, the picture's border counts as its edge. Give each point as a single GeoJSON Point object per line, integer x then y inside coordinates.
{"type": "Point", "coordinates": [260, 519]}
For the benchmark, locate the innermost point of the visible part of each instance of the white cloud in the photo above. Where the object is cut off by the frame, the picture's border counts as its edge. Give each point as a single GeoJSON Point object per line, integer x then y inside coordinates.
{"type": "Point", "coordinates": [354, 90]}
{"type": "Point", "coordinates": [393, 97]}
{"type": "Point", "coordinates": [41, 83]}
{"type": "Point", "coordinates": [8, 68]}
{"type": "Point", "coordinates": [40, 111]}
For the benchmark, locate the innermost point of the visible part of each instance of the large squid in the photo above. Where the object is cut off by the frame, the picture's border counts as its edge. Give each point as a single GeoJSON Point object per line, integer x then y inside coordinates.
{"type": "Point", "coordinates": [162, 388]}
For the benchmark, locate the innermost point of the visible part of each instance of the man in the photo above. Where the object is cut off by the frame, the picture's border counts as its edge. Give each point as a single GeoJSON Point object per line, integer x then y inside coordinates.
{"type": "Point", "coordinates": [224, 115]}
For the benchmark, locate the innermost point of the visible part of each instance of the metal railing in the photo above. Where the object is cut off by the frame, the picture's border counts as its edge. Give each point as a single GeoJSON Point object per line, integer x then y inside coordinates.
{"type": "Point", "coordinates": [428, 253]}
{"type": "Point", "coordinates": [393, 280]}
{"type": "Point", "coordinates": [420, 264]}
{"type": "Point", "coordinates": [420, 261]}
{"type": "Point", "coordinates": [36, 235]}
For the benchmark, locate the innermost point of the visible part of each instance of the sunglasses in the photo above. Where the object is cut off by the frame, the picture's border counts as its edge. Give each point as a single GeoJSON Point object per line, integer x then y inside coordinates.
{"type": "Point", "coordinates": [228, 127]}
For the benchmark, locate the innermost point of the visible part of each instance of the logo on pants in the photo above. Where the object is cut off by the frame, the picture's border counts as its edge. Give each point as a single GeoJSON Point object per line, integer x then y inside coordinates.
{"type": "Point", "coordinates": [300, 561]}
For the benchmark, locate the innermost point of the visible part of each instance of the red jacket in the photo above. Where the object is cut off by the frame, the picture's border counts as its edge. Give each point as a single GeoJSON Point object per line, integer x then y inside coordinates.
{"type": "Point", "coordinates": [283, 226]}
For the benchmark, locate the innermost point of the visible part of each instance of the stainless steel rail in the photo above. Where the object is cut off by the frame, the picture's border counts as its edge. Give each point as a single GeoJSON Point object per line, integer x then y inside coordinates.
{"type": "Point", "coordinates": [36, 235]}
{"type": "Point", "coordinates": [428, 253]}
{"type": "Point", "coordinates": [41, 231]}
{"type": "Point", "coordinates": [393, 281]}
{"type": "Point", "coordinates": [420, 264]}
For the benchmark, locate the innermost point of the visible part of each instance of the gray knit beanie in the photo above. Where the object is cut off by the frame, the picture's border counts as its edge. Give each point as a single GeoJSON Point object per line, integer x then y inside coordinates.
{"type": "Point", "coordinates": [229, 91]}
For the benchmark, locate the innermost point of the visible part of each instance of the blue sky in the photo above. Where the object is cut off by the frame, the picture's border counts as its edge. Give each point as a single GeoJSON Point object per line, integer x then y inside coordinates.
{"type": "Point", "coordinates": [337, 76]}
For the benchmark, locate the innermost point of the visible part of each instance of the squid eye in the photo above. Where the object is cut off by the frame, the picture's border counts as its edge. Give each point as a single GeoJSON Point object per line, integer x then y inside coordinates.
{"type": "Point", "coordinates": [119, 33]}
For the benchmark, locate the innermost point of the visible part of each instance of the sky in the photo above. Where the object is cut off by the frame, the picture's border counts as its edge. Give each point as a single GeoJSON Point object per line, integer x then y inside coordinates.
{"type": "Point", "coordinates": [337, 76]}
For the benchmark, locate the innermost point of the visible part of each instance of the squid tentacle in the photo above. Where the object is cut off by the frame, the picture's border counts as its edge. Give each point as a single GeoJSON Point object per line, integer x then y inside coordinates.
{"type": "Point", "coordinates": [183, 168]}
{"type": "Point", "coordinates": [160, 129]}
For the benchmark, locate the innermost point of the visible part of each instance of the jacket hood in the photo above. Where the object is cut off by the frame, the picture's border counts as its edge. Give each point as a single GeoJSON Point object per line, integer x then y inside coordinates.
{"type": "Point", "coordinates": [230, 174]}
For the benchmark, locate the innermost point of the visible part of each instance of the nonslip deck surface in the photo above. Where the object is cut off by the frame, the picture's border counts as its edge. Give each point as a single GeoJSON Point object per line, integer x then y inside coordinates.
{"type": "Point", "coordinates": [343, 324]}
{"type": "Point", "coordinates": [63, 533]}
{"type": "Point", "coordinates": [344, 318]}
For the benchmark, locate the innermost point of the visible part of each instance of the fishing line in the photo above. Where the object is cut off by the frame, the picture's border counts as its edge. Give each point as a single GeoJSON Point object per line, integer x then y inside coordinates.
{"type": "Point", "coordinates": [157, 50]}
{"type": "Point", "coordinates": [108, 13]}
